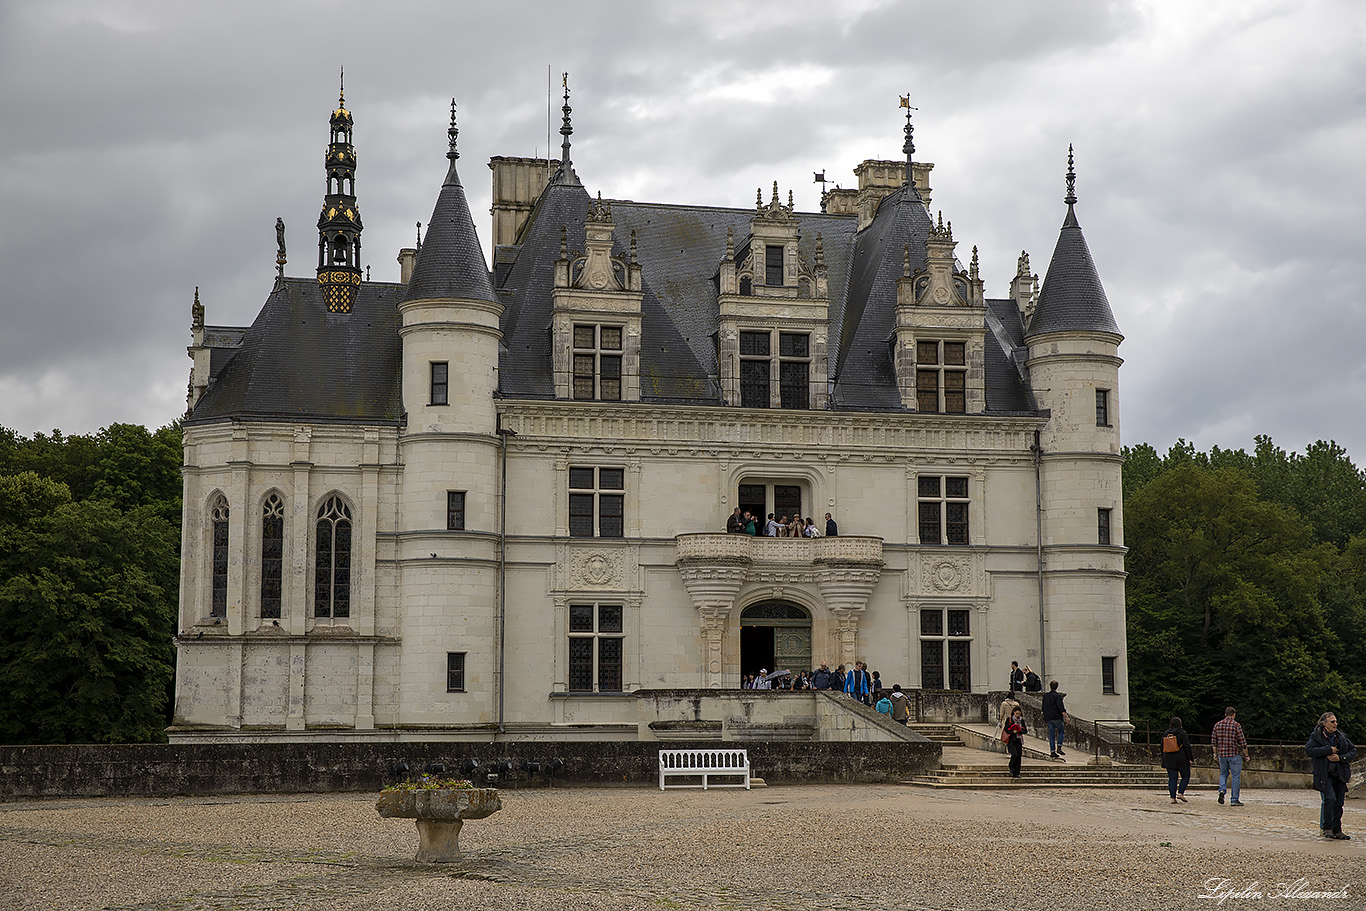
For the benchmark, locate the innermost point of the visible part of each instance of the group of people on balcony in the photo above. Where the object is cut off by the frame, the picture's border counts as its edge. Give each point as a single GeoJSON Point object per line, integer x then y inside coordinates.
{"type": "Point", "coordinates": [743, 522]}
{"type": "Point", "coordinates": [856, 682]}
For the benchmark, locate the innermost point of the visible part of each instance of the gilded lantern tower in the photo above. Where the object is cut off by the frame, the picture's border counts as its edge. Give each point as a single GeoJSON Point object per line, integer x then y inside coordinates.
{"type": "Point", "coordinates": [339, 225]}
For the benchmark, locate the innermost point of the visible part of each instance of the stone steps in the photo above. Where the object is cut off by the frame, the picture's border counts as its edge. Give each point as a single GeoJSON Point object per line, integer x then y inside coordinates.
{"type": "Point", "coordinates": [1034, 775]}
{"type": "Point", "coordinates": [942, 734]}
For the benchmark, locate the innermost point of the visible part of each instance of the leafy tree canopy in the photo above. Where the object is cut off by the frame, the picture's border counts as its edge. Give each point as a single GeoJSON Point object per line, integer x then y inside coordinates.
{"type": "Point", "coordinates": [1247, 586]}
{"type": "Point", "coordinates": [89, 578]}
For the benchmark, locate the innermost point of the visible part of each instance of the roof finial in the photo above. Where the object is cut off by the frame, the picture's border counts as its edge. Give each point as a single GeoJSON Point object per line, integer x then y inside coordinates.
{"type": "Point", "coordinates": [196, 311]}
{"type": "Point", "coordinates": [730, 243]}
{"type": "Point", "coordinates": [908, 146]}
{"type": "Point", "coordinates": [341, 96]}
{"type": "Point", "coordinates": [566, 129]}
{"type": "Point", "coordinates": [1071, 198]}
{"type": "Point", "coordinates": [452, 133]}
{"type": "Point", "coordinates": [758, 197]}
{"type": "Point", "coordinates": [972, 269]}
{"type": "Point", "coordinates": [280, 259]}
{"type": "Point", "coordinates": [419, 237]}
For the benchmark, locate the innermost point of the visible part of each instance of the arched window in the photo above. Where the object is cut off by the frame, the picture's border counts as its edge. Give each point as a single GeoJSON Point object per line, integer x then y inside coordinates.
{"type": "Point", "coordinates": [218, 515]}
{"type": "Point", "coordinates": [332, 564]}
{"type": "Point", "coordinates": [272, 555]}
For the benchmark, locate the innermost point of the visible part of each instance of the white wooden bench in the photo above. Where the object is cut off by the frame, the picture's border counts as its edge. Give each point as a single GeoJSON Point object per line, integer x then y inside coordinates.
{"type": "Point", "coordinates": [704, 764]}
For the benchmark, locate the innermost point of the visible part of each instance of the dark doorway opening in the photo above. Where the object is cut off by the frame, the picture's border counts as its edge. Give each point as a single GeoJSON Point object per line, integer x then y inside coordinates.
{"type": "Point", "coordinates": [756, 649]}
{"type": "Point", "coordinates": [776, 636]}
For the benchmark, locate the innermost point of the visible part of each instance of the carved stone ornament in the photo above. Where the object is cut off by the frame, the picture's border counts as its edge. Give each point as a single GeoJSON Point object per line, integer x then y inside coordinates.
{"type": "Point", "coordinates": [596, 569]}
{"type": "Point", "coordinates": [949, 574]}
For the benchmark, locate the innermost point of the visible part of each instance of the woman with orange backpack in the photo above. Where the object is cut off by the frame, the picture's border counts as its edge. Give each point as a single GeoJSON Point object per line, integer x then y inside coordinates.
{"type": "Point", "coordinates": [1176, 759]}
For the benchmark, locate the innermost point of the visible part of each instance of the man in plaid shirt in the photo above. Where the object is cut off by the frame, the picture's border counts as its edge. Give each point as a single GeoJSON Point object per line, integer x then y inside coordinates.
{"type": "Point", "coordinates": [1230, 749]}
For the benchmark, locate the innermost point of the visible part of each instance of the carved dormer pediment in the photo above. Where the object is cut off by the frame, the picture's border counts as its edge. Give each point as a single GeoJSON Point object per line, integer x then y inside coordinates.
{"type": "Point", "coordinates": [774, 311]}
{"type": "Point", "coordinates": [940, 330]}
{"type": "Point", "coordinates": [595, 314]}
{"type": "Point", "coordinates": [939, 284]}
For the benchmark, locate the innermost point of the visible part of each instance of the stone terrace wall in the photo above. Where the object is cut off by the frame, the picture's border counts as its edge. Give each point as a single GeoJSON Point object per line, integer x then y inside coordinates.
{"type": "Point", "coordinates": [164, 770]}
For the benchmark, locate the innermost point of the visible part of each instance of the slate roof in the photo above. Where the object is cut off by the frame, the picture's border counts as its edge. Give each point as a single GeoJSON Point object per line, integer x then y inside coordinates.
{"type": "Point", "coordinates": [298, 361]}
{"type": "Point", "coordinates": [680, 248]}
{"type": "Point", "coordinates": [1072, 297]}
{"type": "Point", "coordinates": [865, 377]}
{"type": "Point", "coordinates": [451, 263]}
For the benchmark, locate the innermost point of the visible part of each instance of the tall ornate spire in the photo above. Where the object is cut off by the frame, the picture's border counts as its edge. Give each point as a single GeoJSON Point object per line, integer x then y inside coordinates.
{"type": "Point", "coordinates": [280, 258]}
{"type": "Point", "coordinates": [1071, 197]}
{"type": "Point", "coordinates": [339, 225]}
{"type": "Point", "coordinates": [566, 173]}
{"type": "Point", "coordinates": [566, 128]}
{"type": "Point", "coordinates": [908, 147]}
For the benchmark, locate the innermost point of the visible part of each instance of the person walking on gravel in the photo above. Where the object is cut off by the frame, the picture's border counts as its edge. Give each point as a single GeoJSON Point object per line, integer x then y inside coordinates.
{"type": "Point", "coordinates": [1230, 749]}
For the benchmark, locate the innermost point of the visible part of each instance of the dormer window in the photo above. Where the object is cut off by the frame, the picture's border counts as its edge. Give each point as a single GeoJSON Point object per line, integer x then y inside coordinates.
{"type": "Point", "coordinates": [941, 377]}
{"type": "Point", "coordinates": [773, 265]}
{"type": "Point", "coordinates": [597, 362]}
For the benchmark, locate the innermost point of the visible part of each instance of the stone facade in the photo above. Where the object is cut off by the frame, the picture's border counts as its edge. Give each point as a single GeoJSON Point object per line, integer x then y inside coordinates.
{"type": "Point", "coordinates": [448, 563]}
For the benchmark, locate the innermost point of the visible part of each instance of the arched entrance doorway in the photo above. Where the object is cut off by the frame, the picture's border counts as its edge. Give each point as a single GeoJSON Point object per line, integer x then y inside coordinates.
{"type": "Point", "coordinates": [775, 635]}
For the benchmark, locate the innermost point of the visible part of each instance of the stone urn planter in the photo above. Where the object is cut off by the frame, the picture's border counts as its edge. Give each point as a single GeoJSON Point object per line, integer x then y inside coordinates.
{"type": "Point", "coordinates": [440, 813]}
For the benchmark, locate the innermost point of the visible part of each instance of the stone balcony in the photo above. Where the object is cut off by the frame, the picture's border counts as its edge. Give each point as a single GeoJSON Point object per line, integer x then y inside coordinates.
{"type": "Point", "coordinates": [834, 574]}
{"type": "Point", "coordinates": [737, 550]}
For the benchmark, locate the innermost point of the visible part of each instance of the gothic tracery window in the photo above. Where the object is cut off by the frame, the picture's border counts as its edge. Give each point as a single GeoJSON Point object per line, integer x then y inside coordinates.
{"type": "Point", "coordinates": [272, 555]}
{"type": "Point", "coordinates": [332, 562]}
{"type": "Point", "coordinates": [218, 515]}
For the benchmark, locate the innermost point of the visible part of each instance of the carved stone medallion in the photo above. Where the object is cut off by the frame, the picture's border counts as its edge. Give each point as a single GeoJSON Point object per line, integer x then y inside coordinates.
{"type": "Point", "coordinates": [947, 575]}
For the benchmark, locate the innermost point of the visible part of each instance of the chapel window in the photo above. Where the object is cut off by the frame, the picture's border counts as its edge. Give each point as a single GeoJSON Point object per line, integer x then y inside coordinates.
{"type": "Point", "coordinates": [218, 516]}
{"type": "Point", "coordinates": [272, 555]}
{"type": "Point", "coordinates": [332, 561]}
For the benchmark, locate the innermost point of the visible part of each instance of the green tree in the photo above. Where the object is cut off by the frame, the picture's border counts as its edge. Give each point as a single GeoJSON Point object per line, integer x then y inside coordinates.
{"type": "Point", "coordinates": [87, 612]}
{"type": "Point", "coordinates": [1225, 604]}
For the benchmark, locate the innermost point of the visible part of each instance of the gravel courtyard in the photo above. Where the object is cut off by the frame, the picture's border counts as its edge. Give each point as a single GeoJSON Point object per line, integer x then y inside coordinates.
{"type": "Point", "coordinates": [800, 847]}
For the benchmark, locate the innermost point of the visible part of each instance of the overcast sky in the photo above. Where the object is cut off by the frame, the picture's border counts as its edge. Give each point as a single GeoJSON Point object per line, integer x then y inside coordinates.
{"type": "Point", "coordinates": [148, 147]}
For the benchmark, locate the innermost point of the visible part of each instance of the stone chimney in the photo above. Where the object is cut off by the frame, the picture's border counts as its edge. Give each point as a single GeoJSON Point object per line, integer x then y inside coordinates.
{"type": "Point", "coordinates": [517, 183]}
{"type": "Point", "coordinates": [407, 259]}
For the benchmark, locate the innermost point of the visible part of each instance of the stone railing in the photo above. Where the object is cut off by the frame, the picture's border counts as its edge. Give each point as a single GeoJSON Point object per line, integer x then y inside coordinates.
{"type": "Point", "coordinates": [722, 548]}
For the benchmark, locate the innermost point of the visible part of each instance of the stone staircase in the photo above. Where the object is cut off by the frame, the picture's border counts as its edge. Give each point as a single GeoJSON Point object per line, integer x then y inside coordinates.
{"type": "Point", "coordinates": [942, 734]}
{"type": "Point", "coordinates": [1034, 775]}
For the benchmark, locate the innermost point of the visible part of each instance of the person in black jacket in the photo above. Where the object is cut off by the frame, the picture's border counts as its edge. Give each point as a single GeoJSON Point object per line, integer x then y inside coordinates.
{"type": "Point", "coordinates": [1016, 678]}
{"type": "Point", "coordinates": [1177, 762]}
{"type": "Point", "coordinates": [1055, 716]}
{"type": "Point", "coordinates": [1332, 753]}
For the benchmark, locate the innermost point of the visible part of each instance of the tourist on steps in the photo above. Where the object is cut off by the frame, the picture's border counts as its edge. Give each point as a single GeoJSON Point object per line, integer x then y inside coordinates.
{"type": "Point", "coordinates": [1015, 729]}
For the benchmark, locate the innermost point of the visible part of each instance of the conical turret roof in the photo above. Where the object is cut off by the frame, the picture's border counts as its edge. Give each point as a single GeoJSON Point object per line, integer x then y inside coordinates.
{"type": "Point", "coordinates": [451, 264]}
{"type": "Point", "coordinates": [1072, 298]}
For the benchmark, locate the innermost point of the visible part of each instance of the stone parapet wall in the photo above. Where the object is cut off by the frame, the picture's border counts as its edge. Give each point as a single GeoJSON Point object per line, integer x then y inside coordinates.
{"type": "Point", "coordinates": [166, 770]}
